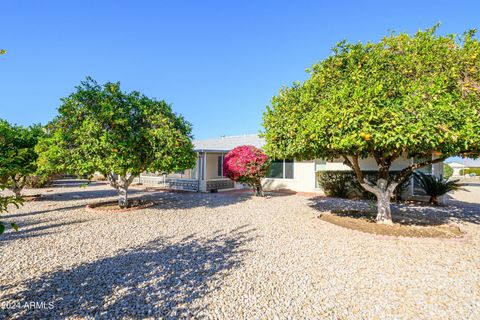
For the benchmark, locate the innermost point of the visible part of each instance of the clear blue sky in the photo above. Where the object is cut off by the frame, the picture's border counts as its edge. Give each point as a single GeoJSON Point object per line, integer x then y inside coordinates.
{"type": "Point", "coordinates": [218, 62]}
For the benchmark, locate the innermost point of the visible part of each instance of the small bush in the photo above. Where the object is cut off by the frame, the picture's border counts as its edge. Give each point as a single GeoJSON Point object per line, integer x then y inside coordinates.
{"type": "Point", "coordinates": [475, 171]}
{"type": "Point", "coordinates": [447, 171]}
{"type": "Point", "coordinates": [336, 184]}
{"type": "Point", "coordinates": [344, 184]}
{"type": "Point", "coordinates": [39, 181]}
{"type": "Point", "coordinates": [98, 177]}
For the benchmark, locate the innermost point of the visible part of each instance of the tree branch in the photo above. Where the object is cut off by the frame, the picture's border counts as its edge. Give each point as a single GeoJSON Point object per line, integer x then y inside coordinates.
{"type": "Point", "coordinates": [112, 180]}
{"type": "Point", "coordinates": [408, 170]}
{"type": "Point", "coordinates": [367, 185]}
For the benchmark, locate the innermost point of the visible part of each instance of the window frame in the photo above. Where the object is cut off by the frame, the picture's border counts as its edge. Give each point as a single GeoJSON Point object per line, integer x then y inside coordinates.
{"type": "Point", "coordinates": [220, 159]}
{"type": "Point", "coordinates": [284, 161]}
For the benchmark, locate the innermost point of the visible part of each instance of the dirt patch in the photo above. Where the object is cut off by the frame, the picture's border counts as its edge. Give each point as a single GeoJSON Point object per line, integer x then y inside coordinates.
{"type": "Point", "coordinates": [32, 197]}
{"type": "Point", "coordinates": [112, 206]}
{"type": "Point", "coordinates": [408, 226]}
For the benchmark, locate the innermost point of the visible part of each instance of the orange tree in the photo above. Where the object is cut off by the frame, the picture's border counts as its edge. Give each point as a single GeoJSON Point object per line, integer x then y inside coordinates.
{"type": "Point", "coordinates": [410, 96]}
{"type": "Point", "coordinates": [119, 134]}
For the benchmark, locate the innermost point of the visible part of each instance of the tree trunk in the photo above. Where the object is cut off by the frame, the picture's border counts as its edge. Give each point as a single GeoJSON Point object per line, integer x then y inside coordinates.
{"type": "Point", "coordinates": [258, 190]}
{"type": "Point", "coordinates": [121, 183]}
{"type": "Point", "coordinates": [384, 212]}
{"type": "Point", "coordinates": [434, 200]}
{"type": "Point", "coordinates": [16, 187]}
{"type": "Point", "coordinates": [17, 191]}
{"type": "Point", "coordinates": [122, 196]}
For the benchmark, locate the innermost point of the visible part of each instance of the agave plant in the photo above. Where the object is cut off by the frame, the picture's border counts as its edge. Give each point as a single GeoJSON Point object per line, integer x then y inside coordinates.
{"type": "Point", "coordinates": [436, 187]}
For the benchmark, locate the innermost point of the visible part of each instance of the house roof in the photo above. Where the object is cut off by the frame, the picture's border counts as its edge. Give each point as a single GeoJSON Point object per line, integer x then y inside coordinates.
{"type": "Point", "coordinates": [227, 143]}
{"type": "Point", "coordinates": [465, 162]}
{"type": "Point", "coordinates": [456, 165]}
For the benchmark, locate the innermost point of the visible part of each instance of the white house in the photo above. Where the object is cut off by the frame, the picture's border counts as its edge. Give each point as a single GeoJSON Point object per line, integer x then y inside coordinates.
{"type": "Point", "coordinates": [207, 175]}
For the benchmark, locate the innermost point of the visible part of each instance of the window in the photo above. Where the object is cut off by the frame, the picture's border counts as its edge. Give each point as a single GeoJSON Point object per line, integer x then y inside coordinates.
{"type": "Point", "coordinates": [281, 169]}
{"type": "Point", "coordinates": [288, 169]}
{"type": "Point", "coordinates": [220, 166]}
{"type": "Point", "coordinates": [320, 165]}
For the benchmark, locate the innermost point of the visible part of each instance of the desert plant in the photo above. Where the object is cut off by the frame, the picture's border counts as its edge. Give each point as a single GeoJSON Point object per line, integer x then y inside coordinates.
{"type": "Point", "coordinates": [434, 186]}
{"type": "Point", "coordinates": [247, 164]}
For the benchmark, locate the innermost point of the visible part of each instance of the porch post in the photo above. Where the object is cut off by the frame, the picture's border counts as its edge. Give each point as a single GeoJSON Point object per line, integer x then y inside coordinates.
{"type": "Point", "coordinates": [202, 179]}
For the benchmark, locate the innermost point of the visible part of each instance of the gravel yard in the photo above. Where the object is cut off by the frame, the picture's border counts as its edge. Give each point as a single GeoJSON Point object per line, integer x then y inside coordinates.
{"type": "Point", "coordinates": [230, 256]}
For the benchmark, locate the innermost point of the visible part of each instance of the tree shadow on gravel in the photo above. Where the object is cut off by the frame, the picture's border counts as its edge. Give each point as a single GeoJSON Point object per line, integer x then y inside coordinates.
{"type": "Point", "coordinates": [85, 194]}
{"type": "Point", "coordinates": [34, 213]}
{"type": "Point", "coordinates": [408, 213]}
{"type": "Point", "coordinates": [74, 183]}
{"type": "Point", "coordinates": [31, 230]}
{"type": "Point", "coordinates": [189, 200]}
{"type": "Point", "coordinates": [160, 279]}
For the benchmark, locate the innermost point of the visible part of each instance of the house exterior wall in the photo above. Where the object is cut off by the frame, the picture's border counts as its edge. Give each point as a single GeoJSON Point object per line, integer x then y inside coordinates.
{"type": "Point", "coordinates": [368, 164]}
{"type": "Point", "coordinates": [305, 173]}
{"type": "Point", "coordinates": [303, 179]}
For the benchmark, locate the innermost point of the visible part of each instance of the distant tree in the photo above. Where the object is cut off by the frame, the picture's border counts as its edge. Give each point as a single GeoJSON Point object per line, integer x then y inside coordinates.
{"type": "Point", "coordinates": [5, 201]}
{"type": "Point", "coordinates": [447, 171]}
{"type": "Point", "coordinates": [119, 134]}
{"type": "Point", "coordinates": [403, 96]}
{"type": "Point", "coordinates": [247, 164]}
{"type": "Point", "coordinates": [17, 154]}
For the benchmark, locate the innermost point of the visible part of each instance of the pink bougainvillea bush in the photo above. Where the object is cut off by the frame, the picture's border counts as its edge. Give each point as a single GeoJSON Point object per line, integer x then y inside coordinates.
{"type": "Point", "coordinates": [246, 164]}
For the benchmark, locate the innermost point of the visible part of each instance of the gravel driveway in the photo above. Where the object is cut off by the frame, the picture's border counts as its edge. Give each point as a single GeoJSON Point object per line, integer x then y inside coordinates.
{"type": "Point", "coordinates": [227, 256]}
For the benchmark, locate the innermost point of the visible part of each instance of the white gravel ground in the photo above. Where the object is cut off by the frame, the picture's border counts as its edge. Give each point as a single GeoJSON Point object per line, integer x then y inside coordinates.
{"type": "Point", "coordinates": [224, 256]}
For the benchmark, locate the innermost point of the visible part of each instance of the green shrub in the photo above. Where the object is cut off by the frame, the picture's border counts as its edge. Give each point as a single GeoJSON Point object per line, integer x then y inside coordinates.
{"type": "Point", "coordinates": [38, 181]}
{"type": "Point", "coordinates": [343, 184]}
{"type": "Point", "coordinates": [447, 171]}
{"type": "Point", "coordinates": [336, 183]}
{"type": "Point", "coordinates": [470, 171]}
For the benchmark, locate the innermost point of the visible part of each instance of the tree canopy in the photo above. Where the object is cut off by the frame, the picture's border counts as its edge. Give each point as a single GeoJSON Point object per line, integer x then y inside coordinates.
{"type": "Point", "coordinates": [407, 96]}
{"type": "Point", "coordinates": [119, 134]}
{"type": "Point", "coordinates": [17, 154]}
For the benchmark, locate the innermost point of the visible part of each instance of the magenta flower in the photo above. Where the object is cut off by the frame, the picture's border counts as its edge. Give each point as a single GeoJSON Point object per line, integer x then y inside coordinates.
{"type": "Point", "coordinates": [247, 164]}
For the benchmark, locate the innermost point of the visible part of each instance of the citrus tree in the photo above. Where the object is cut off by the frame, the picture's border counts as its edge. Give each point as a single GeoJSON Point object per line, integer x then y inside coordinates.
{"type": "Point", "coordinates": [17, 154]}
{"type": "Point", "coordinates": [101, 128]}
{"type": "Point", "coordinates": [247, 164]}
{"type": "Point", "coordinates": [405, 96]}
{"type": "Point", "coordinates": [5, 201]}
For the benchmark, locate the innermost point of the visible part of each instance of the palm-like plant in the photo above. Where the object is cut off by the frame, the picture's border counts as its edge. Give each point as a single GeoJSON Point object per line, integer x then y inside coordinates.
{"type": "Point", "coordinates": [436, 187]}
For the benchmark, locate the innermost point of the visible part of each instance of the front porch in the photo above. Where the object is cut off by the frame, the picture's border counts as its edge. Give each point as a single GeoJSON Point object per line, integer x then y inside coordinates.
{"type": "Point", "coordinates": [206, 176]}
{"type": "Point", "coordinates": [209, 170]}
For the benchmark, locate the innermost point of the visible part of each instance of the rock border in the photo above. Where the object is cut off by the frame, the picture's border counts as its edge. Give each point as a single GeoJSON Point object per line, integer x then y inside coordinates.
{"type": "Point", "coordinates": [461, 238]}
{"type": "Point", "coordinates": [94, 207]}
